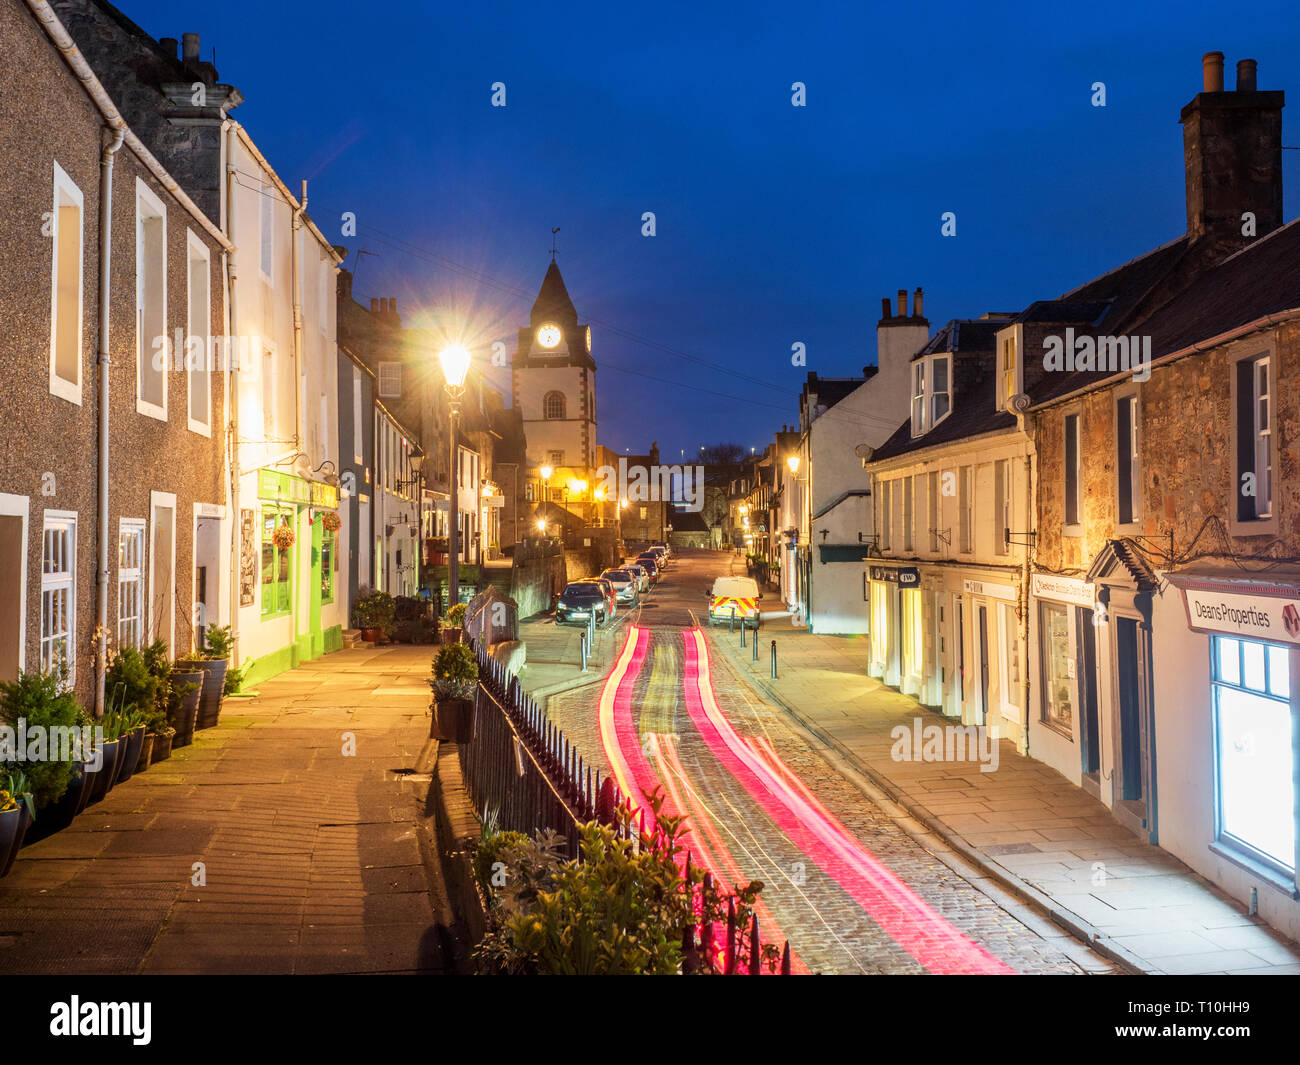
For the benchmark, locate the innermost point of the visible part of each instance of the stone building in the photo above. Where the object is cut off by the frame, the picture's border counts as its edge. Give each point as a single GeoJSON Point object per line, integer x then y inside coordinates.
{"type": "Point", "coordinates": [112, 457]}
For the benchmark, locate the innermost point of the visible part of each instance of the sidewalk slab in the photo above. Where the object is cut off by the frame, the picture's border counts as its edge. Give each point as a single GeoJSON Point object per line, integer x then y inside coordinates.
{"type": "Point", "coordinates": [1025, 825]}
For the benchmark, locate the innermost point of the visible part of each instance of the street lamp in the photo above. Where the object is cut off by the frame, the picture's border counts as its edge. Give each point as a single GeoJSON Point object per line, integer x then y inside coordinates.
{"type": "Point", "coordinates": [541, 526]}
{"type": "Point", "coordinates": [455, 365]}
{"type": "Point", "coordinates": [793, 463]}
{"type": "Point", "coordinates": [546, 472]}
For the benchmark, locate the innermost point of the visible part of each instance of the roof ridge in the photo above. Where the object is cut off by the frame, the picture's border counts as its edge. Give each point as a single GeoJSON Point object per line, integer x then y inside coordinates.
{"type": "Point", "coordinates": [1117, 269]}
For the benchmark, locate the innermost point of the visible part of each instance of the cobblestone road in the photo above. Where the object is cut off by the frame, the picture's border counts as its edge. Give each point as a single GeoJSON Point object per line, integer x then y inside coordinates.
{"type": "Point", "coordinates": [830, 930]}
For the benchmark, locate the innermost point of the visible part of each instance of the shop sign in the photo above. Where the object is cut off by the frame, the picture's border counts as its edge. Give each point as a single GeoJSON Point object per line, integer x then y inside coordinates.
{"type": "Point", "coordinates": [1062, 589]}
{"type": "Point", "coordinates": [1257, 617]}
{"type": "Point", "coordinates": [993, 591]}
{"type": "Point", "coordinates": [905, 576]}
{"type": "Point", "coordinates": [285, 488]}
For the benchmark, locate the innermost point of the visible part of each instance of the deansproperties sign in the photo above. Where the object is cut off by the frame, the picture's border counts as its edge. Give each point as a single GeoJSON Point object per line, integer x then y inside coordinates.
{"type": "Point", "coordinates": [1257, 617]}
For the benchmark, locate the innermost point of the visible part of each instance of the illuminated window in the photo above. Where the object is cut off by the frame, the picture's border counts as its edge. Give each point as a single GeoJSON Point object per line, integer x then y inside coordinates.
{"type": "Point", "coordinates": [58, 594]}
{"type": "Point", "coordinates": [1254, 757]}
{"type": "Point", "coordinates": [1126, 459]}
{"type": "Point", "coordinates": [130, 583]}
{"type": "Point", "coordinates": [65, 318]}
{"type": "Point", "coordinates": [1054, 648]}
{"type": "Point", "coordinates": [554, 405]}
{"type": "Point", "coordinates": [328, 564]}
{"type": "Point", "coordinates": [1007, 366]}
{"type": "Point", "coordinates": [275, 561]}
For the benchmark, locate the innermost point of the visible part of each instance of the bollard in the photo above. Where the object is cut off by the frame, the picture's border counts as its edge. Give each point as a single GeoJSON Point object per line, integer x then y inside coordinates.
{"type": "Point", "coordinates": [742, 632]}
{"type": "Point", "coordinates": [731, 625]}
{"type": "Point", "coordinates": [582, 643]}
{"type": "Point", "coordinates": [774, 660]}
{"type": "Point", "coordinates": [755, 642]}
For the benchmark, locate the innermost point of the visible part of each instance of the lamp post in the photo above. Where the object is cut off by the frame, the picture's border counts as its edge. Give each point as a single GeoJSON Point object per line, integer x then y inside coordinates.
{"type": "Point", "coordinates": [415, 483]}
{"type": "Point", "coordinates": [455, 365]}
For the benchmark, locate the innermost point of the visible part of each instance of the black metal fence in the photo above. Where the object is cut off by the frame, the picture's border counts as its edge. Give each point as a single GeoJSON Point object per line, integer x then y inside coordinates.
{"type": "Point", "coordinates": [522, 770]}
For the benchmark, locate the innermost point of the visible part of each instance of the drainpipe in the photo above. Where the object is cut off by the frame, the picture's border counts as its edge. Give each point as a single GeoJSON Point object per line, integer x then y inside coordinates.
{"type": "Point", "coordinates": [232, 385]}
{"type": "Point", "coordinates": [1031, 497]}
{"type": "Point", "coordinates": [106, 160]}
{"type": "Point", "coordinates": [297, 320]}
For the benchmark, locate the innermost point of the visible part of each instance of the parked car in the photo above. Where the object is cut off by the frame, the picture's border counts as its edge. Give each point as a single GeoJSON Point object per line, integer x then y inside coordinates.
{"type": "Point", "coordinates": [579, 601]}
{"type": "Point", "coordinates": [660, 551]}
{"type": "Point", "coordinates": [625, 584]}
{"type": "Point", "coordinates": [642, 577]}
{"type": "Point", "coordinates": [651, 565]}
{"type": "Point", "coordinates": [735, 594]}
{"type": "Point", "coordinates": [611, 597]}
{"type": "Point", "coordinates": [661, 544]}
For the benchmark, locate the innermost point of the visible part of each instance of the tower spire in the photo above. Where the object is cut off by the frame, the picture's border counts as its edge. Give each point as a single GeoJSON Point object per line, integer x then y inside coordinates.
{"type": "Point", "coordinates": [555, 230]}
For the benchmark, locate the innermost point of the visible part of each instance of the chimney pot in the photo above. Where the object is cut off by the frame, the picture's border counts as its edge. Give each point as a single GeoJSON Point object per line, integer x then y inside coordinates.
{"type": "Point", "coordinates": [374, 305]}
{"type": "Point", "coordinates": [902, 303]}
{"type": "Point", "coordinates": [171, 46]}
{"type": "Point", "coordinates": [1212, 71]}
{"type": "Point", "coordinates": [917, 297]}
{"type": "Point", "coordinates": [884, 307]}
{"type": "Point", "coordinates": [190, 47]}
{"type": "Point", "coordinates": [392, 305]}
{"type": "Point", "coordinates": [1246, 75]}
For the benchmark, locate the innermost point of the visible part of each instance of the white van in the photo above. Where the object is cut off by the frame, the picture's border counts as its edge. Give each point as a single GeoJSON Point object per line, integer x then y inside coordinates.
{"type": "Point", "coordinates": [735, 596]}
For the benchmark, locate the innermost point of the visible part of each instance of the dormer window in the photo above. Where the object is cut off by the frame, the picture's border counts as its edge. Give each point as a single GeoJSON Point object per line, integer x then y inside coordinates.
{"type": "Point", "coordinates": [1008, 366]}
{"type": "Point", "coordinates": [931, 392]}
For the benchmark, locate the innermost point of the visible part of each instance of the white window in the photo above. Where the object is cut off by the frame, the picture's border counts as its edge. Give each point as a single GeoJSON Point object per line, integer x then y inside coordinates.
{"type": "Point", "coordinates": [1001, 504]}
{"type": "Point", "coordinates": [357, 425]}
{"type": "Point", "coordinates": [932, 508]}
{"type": "Point", "coordinates": [130, 583]}
{"type": "Point", "coordinates": [58, 593]}
{"type": "Point", "coordinates": [1254, 422]}
{"type": "Point", "coordinates": [940, 389]}
{"type": "Point", "coordinates": [884, 512]}
{"type": "Point", "coordinates": [931, 393]}
{"type": "Point", "coordinates": [1011, 681]}
{"type": "Point", "coordinates": [908, 489]}
{"type": "Point", "coordinates": [1008, 377]}
{"type": "Point", "coordinates": [1072, 470]}
{"type": "Point", "coordinates": [1254, 756]}
{"type": "Point", "coordinates": [390, 380]}
{"type": "Point", "coordinates": [966, 505]}
{"type": "Point", "coordinates": [153, 350]}
{"type": "Point", "coordinates": [198, 334]}
{"type": "Point", "coordinates": [918, 398]}
{"type": "Point", "coordinates": [1128, 480]}
{"type": "Point", "coordinates": [268, 199]}
{"type": "Point", "coordinates": [65, 224]}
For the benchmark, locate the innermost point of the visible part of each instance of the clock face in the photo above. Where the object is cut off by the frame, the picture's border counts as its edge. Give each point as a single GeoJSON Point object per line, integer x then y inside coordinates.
{"type": "Point", "coordinates": [589, 338]}
{"type": "Point", "coordinates": [549, 335]}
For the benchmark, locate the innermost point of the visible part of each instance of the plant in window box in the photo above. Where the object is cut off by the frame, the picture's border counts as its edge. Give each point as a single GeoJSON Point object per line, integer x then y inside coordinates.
{"type": "Point", "coordinates": [455, 676]}
{"type": "Point", "coordinates": [17, 812]}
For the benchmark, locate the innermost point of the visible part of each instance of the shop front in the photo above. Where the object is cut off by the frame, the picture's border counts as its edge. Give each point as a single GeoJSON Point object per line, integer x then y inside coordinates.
{"type": "Point", "coordinates": [895, 626]}
{"type": "Point", "coordinates": [292, 603]}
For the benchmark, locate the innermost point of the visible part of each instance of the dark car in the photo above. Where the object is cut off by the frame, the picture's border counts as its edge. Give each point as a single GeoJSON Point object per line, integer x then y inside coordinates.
{"type": "Point", "coordinates": [579, 601]}
{"type": "Point", "coordinates": [649, 561]}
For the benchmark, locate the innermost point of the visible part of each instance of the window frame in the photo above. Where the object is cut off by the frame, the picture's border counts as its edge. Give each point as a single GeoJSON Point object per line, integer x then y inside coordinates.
{"type": "Point", "coordinates": [966, 509]}
{"type": "Point", "coordinates": [193, 245]}
{"type": "Point", "coordinates": [66, 581]}
{"type": "Point", "coordinates": [909, 511]}
{"type": "Point", "coordinates": [138, 528]}
{"type": "Point", "coordinates": [280, 511]}
{"type": "Point", "coordinates": [1243, 516]}
{"type": "Point", "coordinates": [145, 196]}
{"type": "Point", "coordinates": [1002, 505]}
{"type": "Point", "coordinates": [1128, 396]}
{"type": "Point", "coordinates": [64, 186]}
{"type": "Point", "coordinates": [1072, 528]}
{"type": "Point", "coordinates": [555, 394]}
{"type": "Point", "coordinates": [1009, 377]}
{"type": "Point", "coordinates": [1046, 717]}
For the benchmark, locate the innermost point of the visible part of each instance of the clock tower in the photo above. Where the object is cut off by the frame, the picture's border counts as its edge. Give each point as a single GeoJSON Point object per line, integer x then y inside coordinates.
{"type": "Point", "coordinates": [553, 384]}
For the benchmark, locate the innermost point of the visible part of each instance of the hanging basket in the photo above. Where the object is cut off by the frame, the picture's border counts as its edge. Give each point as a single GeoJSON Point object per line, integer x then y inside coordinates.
{"type": "Point", "coordinates": [331, 521]}
{"type": "Point", "coordinates": [283, 537]}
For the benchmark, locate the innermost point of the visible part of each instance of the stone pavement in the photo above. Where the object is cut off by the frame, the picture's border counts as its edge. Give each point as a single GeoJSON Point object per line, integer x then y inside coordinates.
{"type": "Point", "coordinates": [1025, 824]}
{"type": "Point", "coordinates": [554, 654]}
{"type": "Point", "coordinates": [315, 862]}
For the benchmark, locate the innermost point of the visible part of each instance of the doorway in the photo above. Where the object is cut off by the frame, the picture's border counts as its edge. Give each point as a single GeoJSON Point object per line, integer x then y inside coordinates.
{"type": "Point", "coordinates": [1133, 762]}
{"type": "Point", "coordinates": [1089, 727]}
{"type": "Point", "coordinates": [207, 576]}
{"type": "Point", "coordinates": [162, 573]}
{"type": "Point", "coordinates": [984, 663]}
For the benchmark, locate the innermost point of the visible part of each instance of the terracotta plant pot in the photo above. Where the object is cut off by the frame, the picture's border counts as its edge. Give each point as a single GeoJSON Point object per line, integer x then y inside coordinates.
{"type": "Point", "coordinates": [453, 720]}
{"type": "Point", "coordinates": [371, 635]}
{"type": "Point", "coordinates": [184, 723]}
{"type": "Point", "coordinates": [132, 743]}
{"type": "Point", "coordinates": [162, 747]}
{"type": "Point", "coordinates": [446, 636]}
{"type": "Point", "coordinates": [13, 827]}
{"type": "Point", "coordinates": [212, 691]}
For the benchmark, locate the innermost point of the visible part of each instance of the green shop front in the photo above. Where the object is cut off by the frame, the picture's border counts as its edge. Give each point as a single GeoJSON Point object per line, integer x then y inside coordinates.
{"type": "Point", "coordinates": [299, 609]}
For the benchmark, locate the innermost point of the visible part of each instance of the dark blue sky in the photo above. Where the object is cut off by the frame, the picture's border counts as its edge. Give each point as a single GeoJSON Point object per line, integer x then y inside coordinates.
{"type": "Point", "coordinates": [776, 224]}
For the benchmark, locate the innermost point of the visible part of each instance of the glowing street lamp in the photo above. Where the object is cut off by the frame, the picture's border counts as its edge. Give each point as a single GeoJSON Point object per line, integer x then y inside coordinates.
{"type": "Point", "coordinates": [455, 361]}
{"type": "Point", "coordinates": [793, 463]}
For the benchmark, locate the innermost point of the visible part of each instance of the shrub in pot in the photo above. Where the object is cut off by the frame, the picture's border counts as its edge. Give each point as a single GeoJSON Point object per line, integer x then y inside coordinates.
{"type": "Point", "coordinates": [372, 613]}
{"type": "Point", "coordinates": [109, 753]}
{"type": "Point", "coordinates": [453, 624]}
{"type": "Point", "coordinates": [183, 705]}
{"type": "Point", "coordinates": [455, 676]}
{"type": "Point", "coordinates": [41, 700]}
{"type": "Point", "coordinates": [213, 661]}
{"type": "Point", "coordinates": [17, 812]}
{"type": "Point", "coordinates": [162, 743]}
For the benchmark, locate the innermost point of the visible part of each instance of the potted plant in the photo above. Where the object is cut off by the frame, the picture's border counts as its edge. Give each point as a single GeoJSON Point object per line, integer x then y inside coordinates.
{"type": "Point", "coordinates": [109, 755]}
{"type": "Point", "coordinates": [455, 676]}
{"type": "Point", "coordinates": [42, 700]}
{"type": "Point", "coordinates": [17, 812]}
{"type": "Point", "coordinates": [212, 660]}
{"type": "Point", "coordinates": [372, 613]}
{"type": "Point", "coordinates": [453, 623]}
{"type": "Point", "coordinates": [132, 688]}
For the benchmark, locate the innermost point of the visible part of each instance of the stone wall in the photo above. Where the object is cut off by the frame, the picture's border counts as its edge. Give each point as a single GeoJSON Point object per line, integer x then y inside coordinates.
{"type": "Point", "coordinates": [536, 577]}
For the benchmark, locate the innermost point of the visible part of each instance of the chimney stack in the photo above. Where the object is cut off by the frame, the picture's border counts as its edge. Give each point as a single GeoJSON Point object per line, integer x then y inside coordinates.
{"type": "Point", "coordinates": [1212, 71]}
{"type": "Point", "coordinates": [374, 305]}
{"type": "Point", "coordinates": [1246, 75]}
{"type": "Point", "coordinates": [170, 45]}
{"type": "Point", "coordinates": [917, 297]}
{"type": "Point", "coordinates": [1232, 154]}
{"type": "Point", "coordinates": [190, 47]}
{"type": "Point", "coordinates": [902, 303]}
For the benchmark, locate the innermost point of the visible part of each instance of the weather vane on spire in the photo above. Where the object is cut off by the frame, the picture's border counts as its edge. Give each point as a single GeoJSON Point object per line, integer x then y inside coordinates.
{"type": "Point", "coordinates": [553, 232]}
